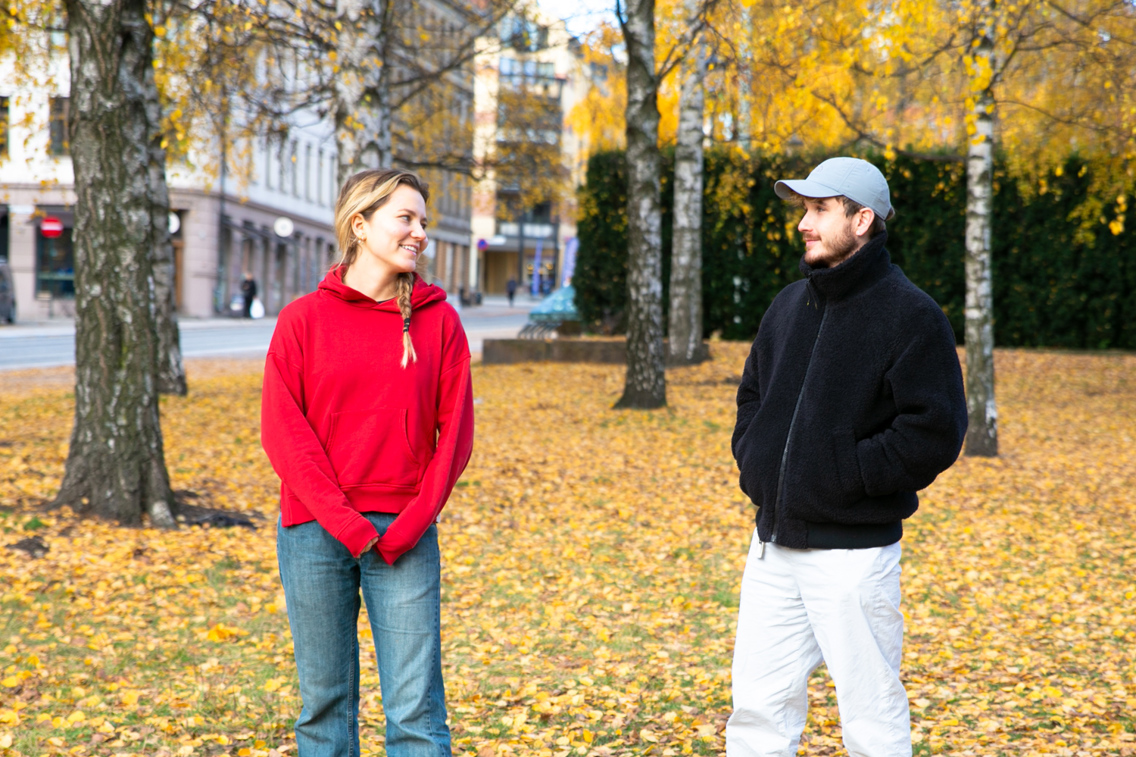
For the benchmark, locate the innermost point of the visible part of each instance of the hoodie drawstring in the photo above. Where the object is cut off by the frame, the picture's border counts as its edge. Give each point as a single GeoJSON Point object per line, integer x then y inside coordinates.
{"type": "Point", "coordinates": [814, 295]}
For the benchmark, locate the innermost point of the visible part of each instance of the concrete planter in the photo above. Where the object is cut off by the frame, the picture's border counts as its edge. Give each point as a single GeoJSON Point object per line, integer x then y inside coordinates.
{"type": "Point", "coordinates": [509, 351]}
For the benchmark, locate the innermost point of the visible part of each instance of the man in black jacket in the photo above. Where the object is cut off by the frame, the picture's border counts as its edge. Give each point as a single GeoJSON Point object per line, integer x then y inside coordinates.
{"type": "Point", "coordinates": [851, 401]}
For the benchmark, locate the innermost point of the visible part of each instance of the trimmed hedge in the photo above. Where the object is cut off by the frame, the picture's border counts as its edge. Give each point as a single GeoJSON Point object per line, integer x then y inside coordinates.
{"type": "Point", "coordinates": [1059, 280]}
{"type": "Point", "coordinates": [600, 277]}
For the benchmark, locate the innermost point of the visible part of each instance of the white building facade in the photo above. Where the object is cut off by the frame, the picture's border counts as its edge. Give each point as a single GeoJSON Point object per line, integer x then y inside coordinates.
{"type": "Point", "coordinates": [274, 221]}
{"type": "Point", "coordinates": [221, 226]}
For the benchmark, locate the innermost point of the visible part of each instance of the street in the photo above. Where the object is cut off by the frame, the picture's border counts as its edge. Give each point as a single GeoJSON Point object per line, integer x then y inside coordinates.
{"type": "Point", "coordinates": [46, 345]}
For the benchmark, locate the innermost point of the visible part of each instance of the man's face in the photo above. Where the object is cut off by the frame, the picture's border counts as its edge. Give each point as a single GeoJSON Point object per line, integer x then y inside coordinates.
{"type": "Point", "coordinates": [830, 236]}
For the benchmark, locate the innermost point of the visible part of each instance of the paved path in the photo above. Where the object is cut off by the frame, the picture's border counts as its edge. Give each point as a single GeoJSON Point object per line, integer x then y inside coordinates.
{"type": "Point", "coordinates": [52, 343]}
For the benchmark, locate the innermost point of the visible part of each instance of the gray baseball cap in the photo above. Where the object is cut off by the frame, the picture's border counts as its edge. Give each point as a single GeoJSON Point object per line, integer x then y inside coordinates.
{"type": "Point", "coordinates": [853, 178]}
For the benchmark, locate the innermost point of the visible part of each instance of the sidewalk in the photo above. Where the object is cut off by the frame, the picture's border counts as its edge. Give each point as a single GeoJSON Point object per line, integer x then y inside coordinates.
{"type": "Point", "coordinates": [492, 306]}
{"type": "Point", "coordinates": [523, 301]}
{"type": "Point", "coordinates": [66, 326]}
{"type": "Point", "coordinates": [48, 344]}
{"type": "Point", "coordinates": [52, 343]}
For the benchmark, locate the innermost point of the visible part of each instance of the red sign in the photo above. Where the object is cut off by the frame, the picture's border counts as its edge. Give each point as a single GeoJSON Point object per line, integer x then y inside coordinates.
{"type": "Point", "coordinates": [51, 227]}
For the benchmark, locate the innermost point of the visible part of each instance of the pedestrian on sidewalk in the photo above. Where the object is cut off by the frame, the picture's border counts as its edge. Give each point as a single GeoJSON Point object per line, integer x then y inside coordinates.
{"type": "Point", "coordinates": [511, 290]}
{"type": "Point", "coordinates": [850, 402]}
{"type": "Point", "coordinates": [248, 293]}
{"type": "Point", "coordinates": [367, 417]}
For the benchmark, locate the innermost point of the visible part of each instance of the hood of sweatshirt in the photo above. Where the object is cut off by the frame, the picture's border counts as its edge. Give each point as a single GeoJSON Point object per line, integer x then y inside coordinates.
{"type": "Point", "coordinates": [422, 295]}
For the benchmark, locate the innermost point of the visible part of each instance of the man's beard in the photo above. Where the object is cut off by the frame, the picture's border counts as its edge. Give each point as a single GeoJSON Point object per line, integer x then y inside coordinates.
{"type": "Point", "coordinates": [838, 249]}
{"type": "Point", "coordinates": [842, 247]}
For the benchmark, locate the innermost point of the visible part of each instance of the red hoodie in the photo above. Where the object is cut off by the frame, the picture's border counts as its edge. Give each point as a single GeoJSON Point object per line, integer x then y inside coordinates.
{"type": "Point", "coordinates": [349, 430]}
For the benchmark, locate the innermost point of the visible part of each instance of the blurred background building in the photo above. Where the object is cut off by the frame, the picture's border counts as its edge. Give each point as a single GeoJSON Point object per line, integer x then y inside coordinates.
{"type": "Point", "coordinates": [273, 218]}
{"type": "Point", "coordinates": [274, 223]}
{"type": "Point", "coordinates": [528, 79]}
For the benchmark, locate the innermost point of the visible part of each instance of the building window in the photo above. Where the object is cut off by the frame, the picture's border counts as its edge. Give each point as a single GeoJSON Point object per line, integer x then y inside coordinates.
{"type": "Point", "coordinates": [4, 227]}
{"type": "Point", "coordinates": [55, 265]}
{"type": "Point", "coordinates": [529, 69]}
{"type": "Point", "coordinates": [282, 159]}
{"type": "Point", "coordinates": [541, 213]}
{"type": "Point", "coordinates": [293, 166]}
{"type": "Point", "coordinates": [319, 178]}
{"type": "Point", "coordinates": [268, 182]}
{"type": "Point", "coordinates": [59, 132]}
{"type": "Point", "coordinates": [522, 34]}
{"type": "Point", "coordinates": [308, 173]}
{"type": "Point", "coordinates": [4, 122]}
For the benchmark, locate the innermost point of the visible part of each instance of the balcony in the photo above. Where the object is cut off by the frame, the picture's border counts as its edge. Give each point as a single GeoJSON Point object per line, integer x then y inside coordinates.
{"type": "Point", "coordinates": [548, 87]}
{"type": "Point", "coordinates": [533, 231]}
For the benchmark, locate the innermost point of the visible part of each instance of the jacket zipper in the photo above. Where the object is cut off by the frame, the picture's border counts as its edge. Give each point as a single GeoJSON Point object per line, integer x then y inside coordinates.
{"type": "Point", "coordinates": [789, 436]}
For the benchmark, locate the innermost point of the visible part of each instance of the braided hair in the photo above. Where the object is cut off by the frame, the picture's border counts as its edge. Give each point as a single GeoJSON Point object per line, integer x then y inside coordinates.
{"type": "Point", "coordinates": [363, 194]}
{"type": "Point", "coordinates": [405, 287]}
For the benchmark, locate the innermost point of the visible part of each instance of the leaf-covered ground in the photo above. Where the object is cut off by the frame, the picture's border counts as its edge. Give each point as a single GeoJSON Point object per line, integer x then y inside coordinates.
{"type": "Point", "coordinates": [591, 566]}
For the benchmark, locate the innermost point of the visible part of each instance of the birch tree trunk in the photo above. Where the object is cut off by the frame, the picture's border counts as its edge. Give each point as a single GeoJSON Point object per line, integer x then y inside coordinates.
{"type": "Point", "coordinates": [362, 97]}
{"type": "Point", "coordinates": [686, 346]}
{"type": "Point", "coordinates": [982, 431]}
{"type": "Point", "coordinates": [171, 370]}
{"type": "Point", "coordinates": [646, 384]}
{"type": "Point", "coordinates": [115, 467]}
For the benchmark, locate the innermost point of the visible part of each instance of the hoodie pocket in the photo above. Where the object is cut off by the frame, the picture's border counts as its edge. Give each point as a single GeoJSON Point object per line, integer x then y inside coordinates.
{"type": "Point", "coordinates": [372, 448]}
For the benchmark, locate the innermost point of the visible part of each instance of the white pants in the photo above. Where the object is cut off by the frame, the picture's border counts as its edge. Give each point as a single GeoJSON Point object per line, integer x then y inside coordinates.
{"type": "Point", "coordinates": [801, 607]}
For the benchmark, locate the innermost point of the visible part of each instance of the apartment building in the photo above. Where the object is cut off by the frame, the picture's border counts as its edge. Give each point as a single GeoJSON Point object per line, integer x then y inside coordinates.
{"type": "Point", "coordinates": [528, 79]}
{"type": "Point", "coordinates": [435, 130]}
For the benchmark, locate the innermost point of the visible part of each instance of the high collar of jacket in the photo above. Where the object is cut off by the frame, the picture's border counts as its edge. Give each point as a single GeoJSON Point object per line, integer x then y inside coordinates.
{"type": "Point", "coordinates": [423, 294]}
{"type": "Point", "coordinates": [870, 264]}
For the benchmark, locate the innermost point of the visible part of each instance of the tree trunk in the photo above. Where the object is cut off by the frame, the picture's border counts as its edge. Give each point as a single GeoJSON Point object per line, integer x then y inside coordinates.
{"type": "Point", "coordinates": [686, 345]}
{"type": "Point", "coordinates": [982, 431]}
{"type": "Point", "coordinates": [171, 371]}
{"type": "Point", "coordinates": [116, 467]}
{"type": "Point", "coordinates": [362, 97]}
{"type": "Point", "coordinates": [646, 383]}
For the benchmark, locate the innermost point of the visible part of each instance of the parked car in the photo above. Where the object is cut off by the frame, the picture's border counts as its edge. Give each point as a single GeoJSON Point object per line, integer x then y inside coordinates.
{"type": "Point", "coordinates": [7, 294]}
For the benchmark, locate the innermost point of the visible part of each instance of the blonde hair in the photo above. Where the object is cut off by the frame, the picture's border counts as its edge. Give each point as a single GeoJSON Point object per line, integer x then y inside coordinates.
{"type": "Point", "coordinates": [363, 194]}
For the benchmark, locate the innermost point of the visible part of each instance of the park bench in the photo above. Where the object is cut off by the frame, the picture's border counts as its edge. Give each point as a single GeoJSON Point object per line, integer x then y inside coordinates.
{"type": "Point", "coordinates": [554, 316]}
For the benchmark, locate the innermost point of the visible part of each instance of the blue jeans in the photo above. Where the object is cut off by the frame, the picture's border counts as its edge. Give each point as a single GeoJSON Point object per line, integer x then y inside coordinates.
{"type": "Point", "coordinates": [322, 582]}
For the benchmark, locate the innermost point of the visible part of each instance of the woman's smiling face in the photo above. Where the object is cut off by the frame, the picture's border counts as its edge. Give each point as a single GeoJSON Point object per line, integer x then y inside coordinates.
{"type": "Point", "coordinates": [395, 235]}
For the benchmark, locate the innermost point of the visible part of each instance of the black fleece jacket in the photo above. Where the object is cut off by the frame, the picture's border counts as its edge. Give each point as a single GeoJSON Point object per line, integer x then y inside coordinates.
{"type": "Point", "coordinates": [851, 401]}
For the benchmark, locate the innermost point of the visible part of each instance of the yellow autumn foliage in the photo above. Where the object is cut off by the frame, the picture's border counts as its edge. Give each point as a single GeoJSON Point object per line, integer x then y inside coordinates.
{"type": "Point", "coordinates": [591, 560]}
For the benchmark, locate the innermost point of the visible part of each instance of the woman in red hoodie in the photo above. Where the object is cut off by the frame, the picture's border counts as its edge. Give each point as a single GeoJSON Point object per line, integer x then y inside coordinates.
{"type": "Point", "coordinates": [367, 417]}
